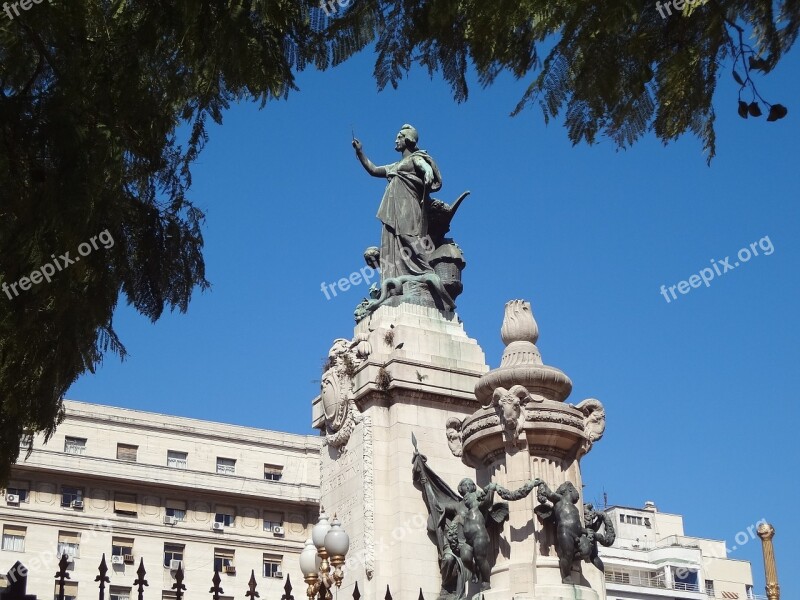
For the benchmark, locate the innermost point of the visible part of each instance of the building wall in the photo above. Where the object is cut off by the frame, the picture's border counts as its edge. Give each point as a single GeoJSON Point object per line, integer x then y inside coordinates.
{"type": "Point", "coordinates": [113, 488]}
{"type": "Point", "coordinates": [652, 558]}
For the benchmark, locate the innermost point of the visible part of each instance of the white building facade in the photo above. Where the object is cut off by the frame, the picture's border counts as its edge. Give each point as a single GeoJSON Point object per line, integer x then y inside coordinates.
{"type": "Point", "coordinates": [169, 490]}
{"type": "Point", "coordinates": [652, 559]}
{"type": "Point", "coordinates": [201, 495]}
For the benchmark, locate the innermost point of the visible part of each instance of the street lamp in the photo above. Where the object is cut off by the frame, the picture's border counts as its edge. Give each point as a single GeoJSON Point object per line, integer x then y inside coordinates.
{"type": "Point", "coordinates": [327, 547]}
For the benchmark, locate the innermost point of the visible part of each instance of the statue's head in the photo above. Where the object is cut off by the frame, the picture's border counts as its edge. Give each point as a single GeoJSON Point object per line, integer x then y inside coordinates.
{"type": "Point", "coordinates": [372, 256]}
{"type": "Point", "coordinates": [466, 486]}
{"type": "Point", "coordinates": [568, 490]}
{"type": "Point", "coordinates": [407, 138]}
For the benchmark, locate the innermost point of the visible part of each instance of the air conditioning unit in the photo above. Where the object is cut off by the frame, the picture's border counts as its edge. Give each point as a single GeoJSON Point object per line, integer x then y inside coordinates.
{"type": "Point", "coordinates": [12, 498]}
{"type": "Point", "coordinates": [174, 565]}
{"type": "Point", "coordinates": [229, 569]}
{"type": "Point", "coordinates": [278, 531]}
{"type": "Point", "coordinates": [116, 560]}
{"type": "Point", "coordinates": [77, 504]}
{"type": "Point", "coordinates": [278, 575]}
{"type": "Point", "coordinates": [217, 526]}
{"type": "Point", "coordinates": [128, 559]}
{"type": "Point", "coordinates": [170, 520]}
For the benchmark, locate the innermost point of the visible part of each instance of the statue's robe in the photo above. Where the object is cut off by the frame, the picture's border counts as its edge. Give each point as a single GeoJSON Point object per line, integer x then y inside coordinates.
{"type": "Point", "coordinates": [404, 215]}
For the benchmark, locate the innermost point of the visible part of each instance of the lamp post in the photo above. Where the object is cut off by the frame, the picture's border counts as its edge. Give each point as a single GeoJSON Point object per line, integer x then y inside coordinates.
{"type": "Point", "coordinates": [766, 532]}
{"type": "Point", "coordinates": [327, 547]}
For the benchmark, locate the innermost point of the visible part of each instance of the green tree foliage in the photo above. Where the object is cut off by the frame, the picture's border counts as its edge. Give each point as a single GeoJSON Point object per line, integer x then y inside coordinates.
{"type": "Point", "coordinates": [92, 93]}
{"type": "Point", "coordinates": [615, 68]}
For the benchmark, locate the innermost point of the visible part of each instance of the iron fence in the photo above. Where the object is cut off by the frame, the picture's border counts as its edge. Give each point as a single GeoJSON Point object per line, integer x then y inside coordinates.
{"type": "Point", "coordinates": [17, 585]}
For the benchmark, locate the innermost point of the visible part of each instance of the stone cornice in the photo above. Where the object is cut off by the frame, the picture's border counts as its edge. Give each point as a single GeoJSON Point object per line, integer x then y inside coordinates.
{"type": "Point", "coordinates": [154, 422]}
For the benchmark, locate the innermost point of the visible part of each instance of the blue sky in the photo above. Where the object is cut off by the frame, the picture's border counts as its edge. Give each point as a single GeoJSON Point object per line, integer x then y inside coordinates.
{"type": "Point", "coordinates": [700, 392]}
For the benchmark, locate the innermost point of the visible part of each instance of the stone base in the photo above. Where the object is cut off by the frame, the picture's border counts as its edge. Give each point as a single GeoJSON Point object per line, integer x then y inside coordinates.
{"type": "Point", "coordinates": [421, 370]}
{"type": "Point", "coordinates": [564, 591]}
{"type": "Point", "coordinates": [560, 591]}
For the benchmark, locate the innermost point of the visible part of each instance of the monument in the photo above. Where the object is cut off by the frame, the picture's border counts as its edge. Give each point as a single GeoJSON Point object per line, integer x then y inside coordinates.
{"type": "Point", "coordinates": [408, 404]}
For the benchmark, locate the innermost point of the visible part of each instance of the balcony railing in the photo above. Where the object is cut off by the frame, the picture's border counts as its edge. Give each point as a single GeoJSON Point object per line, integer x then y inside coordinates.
{"type": "Point", "coordinates": [658, 582]}
{"type": "Point", "coordinates": [633, 579]}
{"type": "Point", "coordinates": [651, 582]}
{"type": "Point", "coordinates": [687, 587]}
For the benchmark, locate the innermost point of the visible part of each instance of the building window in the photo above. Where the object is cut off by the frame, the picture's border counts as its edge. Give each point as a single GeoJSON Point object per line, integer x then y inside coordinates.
{"type": "Point", "coordinates": [14, 538]}
{"type": "Point", "coordinates": [223, 561]}
{"type": "Point", "coordinates": [69, 544]}
{"type": "Point", "coordinates": [226, 466]}
{"type": "Point", "coordinates": [127, 452]}
{"type": "Point", "coordinates": [168, 595]}
{"type": "Point", "coordinates": [70, 590]}
{"type": "Point", "coordinates": [632, 520]}
{"type": "Point", "coordinates": [176, 460]}
{"type": "Point", "coordinates": [176, 509]}
{"type": "Point", "coordinates": [25, 441]}
{"type": "Point", "coordinates": [710, 587]}
{"type": "Point", "coordinates": [621, 518]}
{"type": "Point", "coordinates": [125, 504]}
{"type": "Point", "coordinates": [272, 520]}
{"type": "Point", "coordinates": [71, 496]}
{"type": "Point", "coordinates": [273, 472]}
{"type": "Point", "coordinates": [122, 547]}
{"type": "Point", "coordinates": [173, 553]}
{"type": "Point", "coordinates": [74, 445]}
{"type": "Point", "coordinates": [18, 489]}
{"type": "Point", "coordinates": [119, 593]}
{"type": "Point", "coordinates": [271, 525]}
{"type": "Point", "coordinates": [748, 590]}
{"type": "Point", "coordinates": [224, 516]}
{"type": "Point", "coordinates": [272, 566]}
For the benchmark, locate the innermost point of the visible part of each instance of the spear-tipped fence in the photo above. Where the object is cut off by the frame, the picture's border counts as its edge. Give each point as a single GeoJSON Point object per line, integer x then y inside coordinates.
{"type": "Point", "coordinates": [17, 584]}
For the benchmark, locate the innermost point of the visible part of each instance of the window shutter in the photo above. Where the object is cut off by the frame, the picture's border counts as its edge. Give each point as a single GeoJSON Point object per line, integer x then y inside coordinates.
{"type": "Point", "coordinates": [69, 537]}
{"type": "Point", "coordinates": [70, 588]}
{"type": "Point", "coordinates": [277, 558]}
{"type": "Point", "coordinates": [14, 530]}
{"type": "Point", "coordinates": [125, 503]}
{"type": "Point", "coordinates": [176, 504]}
{"type": "Point", "coordinates": [127, 452]}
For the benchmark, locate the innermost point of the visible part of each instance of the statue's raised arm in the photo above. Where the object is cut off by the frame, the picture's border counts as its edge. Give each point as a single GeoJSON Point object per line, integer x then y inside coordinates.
{"type": "Point", "coordinates": [366, 162]}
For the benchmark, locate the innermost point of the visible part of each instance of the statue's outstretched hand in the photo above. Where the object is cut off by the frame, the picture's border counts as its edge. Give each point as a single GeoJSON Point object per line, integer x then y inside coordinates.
{"type": "Point", "coordinates": [357, 145]}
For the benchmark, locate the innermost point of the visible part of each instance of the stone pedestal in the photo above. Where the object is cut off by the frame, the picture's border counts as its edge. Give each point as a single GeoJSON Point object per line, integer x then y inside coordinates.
{"type": "Point", "coordinates": [412, 369]}
{"type": "Point", "coordinates": [524, 430]}
{"type": "Point", "coordinates": [409, 368]}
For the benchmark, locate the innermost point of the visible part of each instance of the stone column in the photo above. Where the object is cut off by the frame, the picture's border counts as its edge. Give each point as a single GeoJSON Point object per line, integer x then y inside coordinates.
{"type": "Point", "coordinates": [766, 532]}
{"type": "Point", "coordinates": [409, 369]}
{"type": "Point", "coordinates": [526, 430]}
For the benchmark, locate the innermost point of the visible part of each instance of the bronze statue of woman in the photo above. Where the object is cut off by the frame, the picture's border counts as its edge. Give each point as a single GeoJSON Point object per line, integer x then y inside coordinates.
{"type": "Point", "coordinates": [403, 210]}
